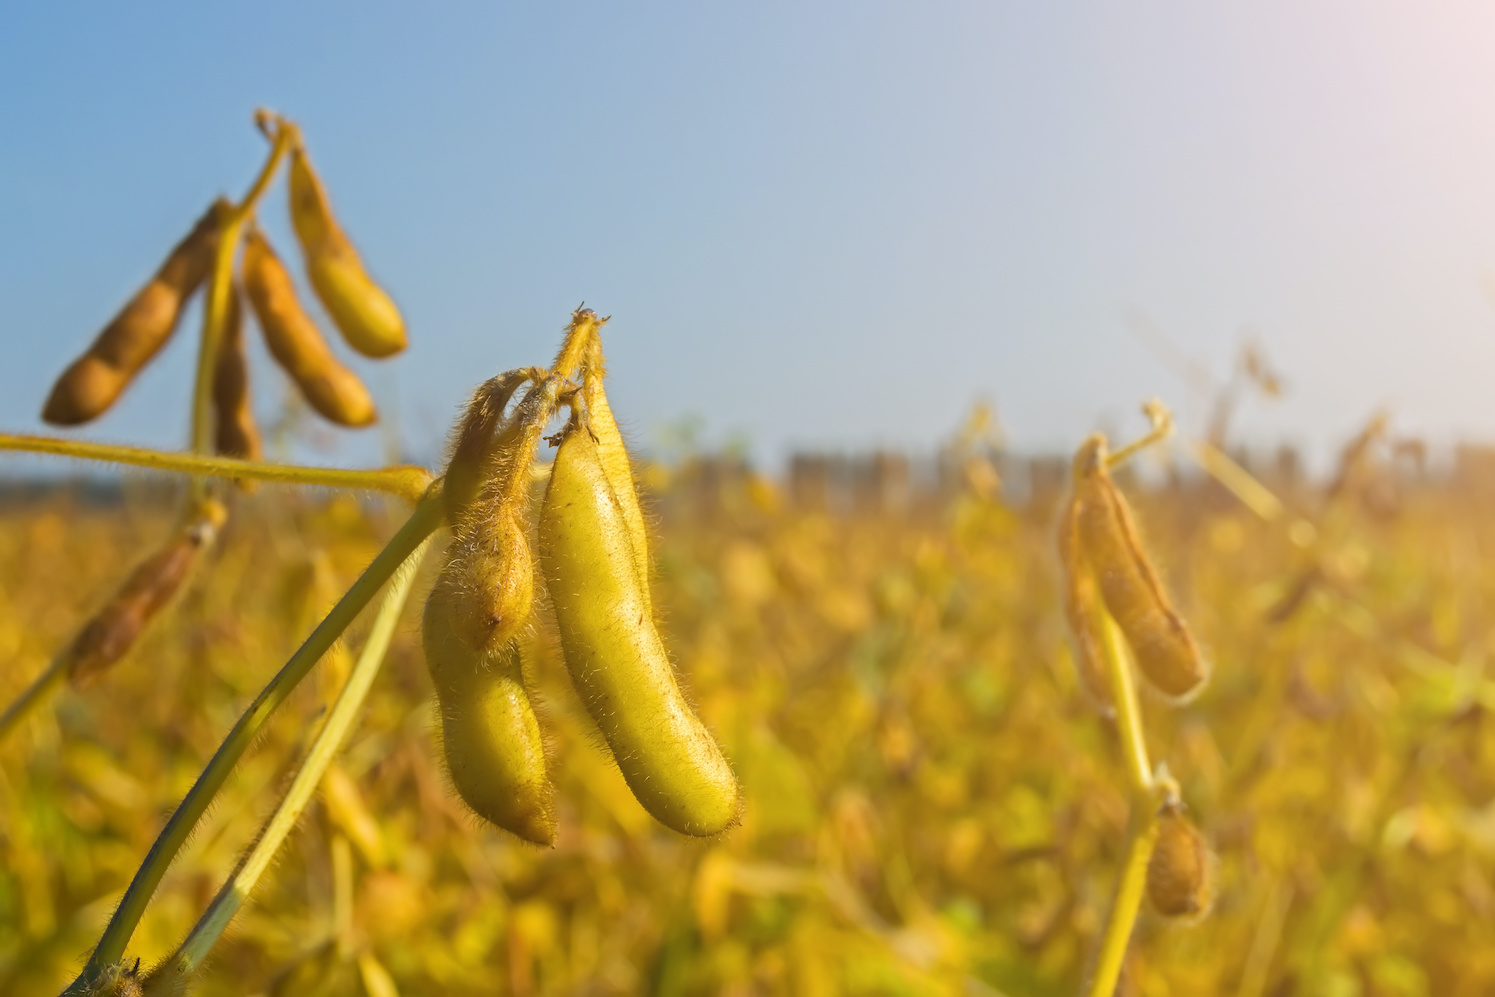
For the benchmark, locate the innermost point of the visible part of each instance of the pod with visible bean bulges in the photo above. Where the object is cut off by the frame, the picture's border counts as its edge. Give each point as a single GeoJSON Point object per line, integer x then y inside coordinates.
{"type": "Point", "coordinates": [94, 381]}
{"type": "Point", "coordinates": [360, 308]}
{"type": "Point", "coordinates": [1165, 650]}
{"type": "Point", "coordinates": [490, 736]}
{"type": "Point", "coordinates": [295, 342]}
{"type": "Point", "coordinates": [615, 656]}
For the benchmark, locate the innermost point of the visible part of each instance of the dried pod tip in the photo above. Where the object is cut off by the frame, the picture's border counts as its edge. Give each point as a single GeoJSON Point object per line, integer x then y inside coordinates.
{"type": "Point", "coordinates": [1180, 872]}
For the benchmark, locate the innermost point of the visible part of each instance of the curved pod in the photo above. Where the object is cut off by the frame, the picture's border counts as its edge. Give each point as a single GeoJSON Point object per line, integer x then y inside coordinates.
{"type": "Point", "coordinates": [96, 379]}
{"type": "Point", "coordinates": [489, 734]}
{"type": "Point", "coordinates": [616, 659]}
{"type": "Point", "coordinates": [1165, 650]}
{"type": "Point", "coordinates": [295, 342]}
{"type": "Point", "coordinates": [365, 315]}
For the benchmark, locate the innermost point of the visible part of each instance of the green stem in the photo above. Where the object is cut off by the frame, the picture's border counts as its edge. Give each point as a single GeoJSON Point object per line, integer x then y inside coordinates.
{"type": "Point", "coordinates": [34, 693]}
{"type": "Point", "coordinates": [215, 309]}
{"type": "Point", "coordinates": [1143, 832]}
{"type": "Point", "coordinates": [408, 481]}
{"type": "Point", "coordinates": [425, 520]}
{"type": "Point", "coordinates": [329, 739]}
{"type": "Point", "coordinates": [1128, 901]}
{"type": "Point", "coordinates": [1128, 709]}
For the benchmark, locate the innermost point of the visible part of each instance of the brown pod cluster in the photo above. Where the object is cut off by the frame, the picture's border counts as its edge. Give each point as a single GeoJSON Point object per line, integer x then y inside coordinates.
{"type": "Point", "coordinates": [95, 380]}
{"type": "Point", "coordinates": [1179, 873]}
{"type": "Point", "coordinates": [236, 432]}
{"type": "Point", "coordinates": [295, 342]}
{"type": "Point", "coordinates": [116, 627]}
{"type": "Point", "coordinates": [1165, 651]}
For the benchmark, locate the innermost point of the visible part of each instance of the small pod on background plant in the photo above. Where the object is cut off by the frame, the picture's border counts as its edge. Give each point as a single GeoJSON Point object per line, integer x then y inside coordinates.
{"type": "Point", "coordinates": [236, 434]}
{"type": "Point", "coordinates": [614, 654]}
{"type": "Point", "coordinates": [360, 308]}
{"type": "Point", "coordinates": [95, 380]}
{"type": "Point", "coordinates": [1180, 871]}
{"type": "Point", "coordinates": [1081, 606]}
{"type": "Point", "coordinates": [116, 627]}
{"type": "Point", "coordinates": [1165, 651]}
{"type": "Point", "coordinates": [490, 736]}
{"type": "Point", "coordinates": [295, 342]}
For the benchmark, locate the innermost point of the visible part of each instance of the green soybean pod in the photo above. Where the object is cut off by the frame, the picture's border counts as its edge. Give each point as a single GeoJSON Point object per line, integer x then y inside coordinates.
{"type": "Point", "coordinates": [616, 658]}
{"type": "Point", "coordinates": [490, 736]}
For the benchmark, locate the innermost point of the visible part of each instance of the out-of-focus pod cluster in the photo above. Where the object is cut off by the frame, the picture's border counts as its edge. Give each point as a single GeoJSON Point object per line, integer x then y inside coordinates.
{"type": "Point", "coordinates": [594, 557]}
{"type": "Point", "coordinates": [90, 386]}
{"type": "Point", "coordinates": [360, 309]}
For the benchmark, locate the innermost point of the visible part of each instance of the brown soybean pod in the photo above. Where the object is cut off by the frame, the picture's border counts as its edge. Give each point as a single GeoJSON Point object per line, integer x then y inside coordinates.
{"type": "Point", "coordinates": [616, 659]}
{"type": "Point", "coordinates": [93, 382]}
{"type": "Point", "coordinates": [114, 629]}
{"type": "Point", "coordinates": [490, 736]}
{"type": "Point", "coordinates": [1165, 651]}
{"type": "Point", "coordinates": [1081, 604]}
{"type": "Point", "coordinates": [366, 316]}
{"type": "Point", "coordinates": [295, 342]}
{"type": "Point", "coordinates": [236, 432]}
{"type": "Point", "coordinates": [1179, 871]}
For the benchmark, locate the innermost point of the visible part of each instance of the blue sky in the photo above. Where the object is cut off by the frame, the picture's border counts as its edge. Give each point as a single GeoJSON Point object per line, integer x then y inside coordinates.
{"type": "Point", "coordinates": [815, 225]}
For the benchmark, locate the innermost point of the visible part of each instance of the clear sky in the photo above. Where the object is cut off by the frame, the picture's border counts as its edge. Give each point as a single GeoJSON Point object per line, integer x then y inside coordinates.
{"type": "Point", "coordinates": [815, 224]}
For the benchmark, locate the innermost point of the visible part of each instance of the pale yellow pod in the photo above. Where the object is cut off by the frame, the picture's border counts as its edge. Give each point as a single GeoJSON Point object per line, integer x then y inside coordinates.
{"type": "Point", "coordinates": [1165, 651]}
{"type": "Point", "coordinates": [616, 658]}
{"type": "Point", "coordinates": [618, 467]}
{"type": "Point", "coordinates": [490, 576]}
{"type": "Point", "coordinates": [362, 311]}
{"type": "Point", "coordinates": [95, 380]}
{"type": "Point", "coordinates": [295, 342]}
{"type": "Point", "coordinates": [490, 737]}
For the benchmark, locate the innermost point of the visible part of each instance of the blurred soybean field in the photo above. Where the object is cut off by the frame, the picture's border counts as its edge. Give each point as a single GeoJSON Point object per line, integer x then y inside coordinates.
{"type": "Point", "coordinates": [932, 806]}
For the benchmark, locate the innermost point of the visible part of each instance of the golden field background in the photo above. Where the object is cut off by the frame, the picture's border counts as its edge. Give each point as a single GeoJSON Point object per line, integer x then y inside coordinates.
{"type": "Point", "coordinates": [932, 807]}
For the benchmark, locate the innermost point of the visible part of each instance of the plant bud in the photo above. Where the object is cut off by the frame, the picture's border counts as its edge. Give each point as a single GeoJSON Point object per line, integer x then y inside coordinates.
{"type": "Point", "coordinates": [490, 736]}
{"type": "Point", "coordinates": [114, 630]}
{"type": "Point", "coordinates": [1179, 873]}
{"type": "Point", "coordinates": [360, 308]}
{"type": "Point", "coordinates": [296, 344]}
{"type": "Point", "coordinates": [236, 432]}
{"type": "Point", "coordinates": [95, 380]}
{"type": "Point", "coordinates": [1165, 651]}
{"type": "Point", "coordinates": [617, 662]}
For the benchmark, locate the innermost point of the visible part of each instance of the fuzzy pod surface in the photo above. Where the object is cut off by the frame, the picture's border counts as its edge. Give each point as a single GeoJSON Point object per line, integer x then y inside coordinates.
{"type": "Point", "coordinates": [489, 733]}
{"type": "Point", "coordinates": [614, 653]}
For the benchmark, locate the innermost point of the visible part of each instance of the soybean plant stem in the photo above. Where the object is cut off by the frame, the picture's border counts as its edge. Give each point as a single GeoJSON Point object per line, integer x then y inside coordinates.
{"type": "Point", "coordinates": [1128, 899]}
{"type": "Point", "coordinates": [1143, 831]}
{"type": "Point", "coordinates": [1252, 493]}
{"type": "Point", "coordinates": [34, 693]}
{"type": "Point", "coordinates": [408, 482]}
{"type": "Point", "coordinates": [1162, 428]}
{"type": "Point", "coordinates": [329, 739]}
{"type": "Point", "coordinates": [425, 520]}
{"type": "Point", "coordinates": [215, 309]}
